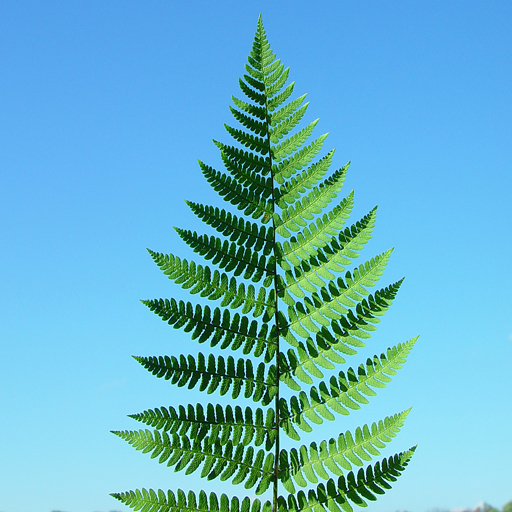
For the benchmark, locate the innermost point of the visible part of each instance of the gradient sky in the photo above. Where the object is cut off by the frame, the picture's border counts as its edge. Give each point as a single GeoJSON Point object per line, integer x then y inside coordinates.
{"type": "Point", "coordinates": [105, 108]}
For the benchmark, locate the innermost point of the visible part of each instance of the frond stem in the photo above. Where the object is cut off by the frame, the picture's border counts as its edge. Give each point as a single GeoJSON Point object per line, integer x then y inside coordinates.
{"type": "Point", "coordinates": [276, 313]}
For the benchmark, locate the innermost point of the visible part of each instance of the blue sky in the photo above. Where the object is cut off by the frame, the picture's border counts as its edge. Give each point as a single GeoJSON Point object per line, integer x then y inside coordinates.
{"type": "Point", "coordinates": [105, 108]}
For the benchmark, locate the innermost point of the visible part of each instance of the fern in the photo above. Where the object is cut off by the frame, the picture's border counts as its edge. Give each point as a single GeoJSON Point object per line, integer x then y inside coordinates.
{"type": "Point", "coordinates": [283, 300]}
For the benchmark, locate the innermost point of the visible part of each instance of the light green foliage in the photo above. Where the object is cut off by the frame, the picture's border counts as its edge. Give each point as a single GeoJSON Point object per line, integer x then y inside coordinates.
{"type": "Point", "coordinates": [507, 507]}
{"type": "Point", "coordinates": [285, 302]}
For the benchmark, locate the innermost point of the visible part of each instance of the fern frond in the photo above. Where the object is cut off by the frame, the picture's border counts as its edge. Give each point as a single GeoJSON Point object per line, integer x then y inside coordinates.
{"type": "Point", "coordinates": [253, 110]}
{"type": "Point", "coordinates": [338, 455]}
{"type": "Point", "coordinates": [291, 144]}
{"type": "Point", "coordinates": [257, 97]}
{"type": "Point", "coordinates": [233, 332]}
{"type": "Point", "coordinates": [276, 82]}
{"type": "Point", "coordinates": [219, 423]}
{"type": "Point", "coordinates": [332, 301]}
{"type": "Point", "coordinates": [199, 279]}
{"type": "Point", "coordinates": [288, 110]}
{"type": "Point", "coordinates": [258, 185]}
{"type": "Point", "coordinates": [295, 217]}
{"type": "Point", "coordinates": [254, 79]}
{"type": "Point", "coordinates": [351, 329]}
{"type": "Point", "coordinates": [215, 374]}
{"type": "Point", "coordinates": [265, 74]}
{"type": "Point", "coordinates": [227, 255]}
{"type": "Point", "coordinates": [261, 52]}
{"type": "Point", "coordinates": [308, 359]}
{"type": "Point", "coordinates": [305, 360]}
{"type": "Point", "coordinates": [241, 463]}
{"type": "Point", "coordinates": [158, 501]}
{"type": "Point", "coordinates": [285, 126]}
{"type": "Point", "coordinates": [244, 159]}
{"type": "Point", "coordinates": [249, 141]}
{"type": "Point", "coordinates": [309, 245]}
{"type": "Point", "coordinates": [291, 190]}
{"type": "Point", "coordinates": [342, 393]}
{"type": "Point", "coordinates": [356, 325]}
{"type": "Point", "coordinates": [243, 198]}
{"type": "Point", "coordinates": [236, 228]}
{"type": "Point", "coordinates": [289, 238]}
{"type": "Point", "coordinates": [278, 100]}
{"type": "Point", "coordinates": [287, 168]}
{"type": "Point", "coordinates": [317, 235]}
{"type": "Point", "coordinates": [257, 127]}
{"type": "Point", "coordinates": [308, 274]}
{"type": "Point", "coordinates": [336, 496]}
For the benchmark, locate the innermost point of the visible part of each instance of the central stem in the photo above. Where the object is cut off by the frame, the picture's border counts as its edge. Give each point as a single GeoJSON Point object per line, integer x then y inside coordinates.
{"type": "Point", "coordinates": [276, 463]}
{"type": "Point", "coordinates": [276, 316]}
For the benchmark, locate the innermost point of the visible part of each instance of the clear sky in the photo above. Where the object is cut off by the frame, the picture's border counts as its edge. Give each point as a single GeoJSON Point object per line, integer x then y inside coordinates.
{"type": "Point", "coordinates": [105, 108]}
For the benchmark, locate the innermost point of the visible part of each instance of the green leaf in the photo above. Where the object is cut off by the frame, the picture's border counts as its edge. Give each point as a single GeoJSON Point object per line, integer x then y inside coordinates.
{"type": "Point", "coordinates": [191, 372]}
{"type": "Point", "coordinates": [251, 202]}
{"type": "Point", "coordinates": [337, 456]}
{"type": "Point", "coordinates": [151, 501]}
{"type": "Point", "coordinates": [295, 217]}
{"type": "Point", "coordinates": [250, 234]}
{"type": "Point", "coordinates": [179, 452]}
{"type": "Point", "coordinates": [298, 160]}
{"type": "Point", "coordinates": [199, 279]}
{"type": "Point", "coordinates": [332, 300]}
{"type": "Point", "coordinates": [325, 251]}
{"type": "Point", "coordinates": [346, 391]}
{"type": "Point", "coordinates": [338, 495]}
{"type": "Point", "coordinates": [290, 109]}
{"type": "Point", "coordinates": [216, 327]}
{"type": "Point", "coordinates": [291, 144]}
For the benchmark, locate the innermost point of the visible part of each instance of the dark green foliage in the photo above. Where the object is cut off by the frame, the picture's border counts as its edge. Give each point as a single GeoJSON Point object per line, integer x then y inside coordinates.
{"type": "Point", "coordinates": [286, 303]}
